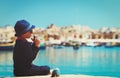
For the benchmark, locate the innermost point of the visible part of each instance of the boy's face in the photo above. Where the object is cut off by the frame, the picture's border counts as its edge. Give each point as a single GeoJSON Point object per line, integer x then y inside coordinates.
{"type": "Point", "coordinates": [27, 34]}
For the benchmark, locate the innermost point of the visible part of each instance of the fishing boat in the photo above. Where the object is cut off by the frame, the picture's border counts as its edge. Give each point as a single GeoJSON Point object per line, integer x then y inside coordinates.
{"type": "Point", "coordinates": [42, 46]}
{"type": "Point", "coordinates": [110, 44]}
{"type": "Point", "coordinates": [76, 47]}
{"type": "Point", "coordinates": [93, 44]}
{"type": "Point", "coordinates": [7, 45]}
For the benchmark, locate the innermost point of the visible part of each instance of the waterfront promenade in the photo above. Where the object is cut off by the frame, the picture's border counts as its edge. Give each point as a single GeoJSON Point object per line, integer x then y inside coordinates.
{"type": "Point", "coordinates": [65, 76]}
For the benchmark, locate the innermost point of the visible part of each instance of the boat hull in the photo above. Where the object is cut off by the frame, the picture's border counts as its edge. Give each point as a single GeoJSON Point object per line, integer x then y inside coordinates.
{"type": "Point", "coordinates": [6, 47]}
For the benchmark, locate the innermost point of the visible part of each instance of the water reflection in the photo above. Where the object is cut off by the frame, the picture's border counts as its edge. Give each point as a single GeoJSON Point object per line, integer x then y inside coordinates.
{"type": "Point", "coordinates": [86, 60]}
{"type": "Point", "coordinates": [6, 58]}
{"type": "Point", "coordinates": [83, 57]}
{"type": "Point", "coordinates": [6, 63]}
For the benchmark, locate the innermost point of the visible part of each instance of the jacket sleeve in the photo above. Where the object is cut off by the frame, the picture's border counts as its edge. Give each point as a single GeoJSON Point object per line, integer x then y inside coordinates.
{"type": "Point", "coordinates": [34, 50]}
{"type": "Point", "coordinates": [29, 53]}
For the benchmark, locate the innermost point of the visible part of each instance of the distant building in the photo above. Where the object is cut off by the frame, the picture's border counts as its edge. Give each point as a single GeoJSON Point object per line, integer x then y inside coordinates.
{"type": "Point", "coordinates": [6, 33]}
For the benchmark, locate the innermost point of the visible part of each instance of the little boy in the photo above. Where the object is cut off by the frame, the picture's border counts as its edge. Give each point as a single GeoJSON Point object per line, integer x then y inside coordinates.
{"type": "Point", "coordinates": [25, 52]}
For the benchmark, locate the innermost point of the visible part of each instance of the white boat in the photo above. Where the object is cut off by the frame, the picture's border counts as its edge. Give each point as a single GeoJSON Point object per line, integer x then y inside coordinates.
{"type": "Point", "coordinates": [94, 44]}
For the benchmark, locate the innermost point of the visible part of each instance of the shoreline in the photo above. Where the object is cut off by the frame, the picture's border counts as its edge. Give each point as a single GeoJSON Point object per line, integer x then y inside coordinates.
{"type": "Point", "coordinates": [98, 40]}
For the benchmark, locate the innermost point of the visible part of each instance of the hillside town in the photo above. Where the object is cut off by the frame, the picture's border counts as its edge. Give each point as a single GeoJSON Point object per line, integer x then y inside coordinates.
{"type": "Point", "coordinates": [66, 35]}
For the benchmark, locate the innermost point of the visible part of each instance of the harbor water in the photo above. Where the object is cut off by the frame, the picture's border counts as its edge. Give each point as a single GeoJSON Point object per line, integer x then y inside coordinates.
{"type": "Point", "coordinates": [96, 61]}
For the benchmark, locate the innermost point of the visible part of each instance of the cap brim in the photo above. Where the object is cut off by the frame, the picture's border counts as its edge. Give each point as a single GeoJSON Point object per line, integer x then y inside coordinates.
{"type": "Point", "coordinates": [32, 27]}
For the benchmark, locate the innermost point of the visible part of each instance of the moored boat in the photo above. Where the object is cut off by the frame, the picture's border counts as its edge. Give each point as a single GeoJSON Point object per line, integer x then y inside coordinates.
{"type": "Point", "coordinates": [110, 44]}
{"type": "Point", "coordinates": [42, 46]}
{"type": "Point", "coordinates": [7, 46]}
{"type": "Point", "coordinates": [76, 47]}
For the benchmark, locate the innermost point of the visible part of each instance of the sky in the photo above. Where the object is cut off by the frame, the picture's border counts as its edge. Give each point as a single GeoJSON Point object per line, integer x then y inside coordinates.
{"type": "Point", "coordinates": [42, 13]}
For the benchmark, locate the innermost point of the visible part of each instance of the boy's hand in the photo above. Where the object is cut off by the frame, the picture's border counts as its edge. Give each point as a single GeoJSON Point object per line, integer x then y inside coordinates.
{"type": "Point", "coordinates": [36, 41]}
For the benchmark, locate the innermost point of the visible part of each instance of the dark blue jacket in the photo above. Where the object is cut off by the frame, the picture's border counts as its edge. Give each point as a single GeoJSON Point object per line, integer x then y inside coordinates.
{"type": "Point", "coordinates": [23, 56]}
